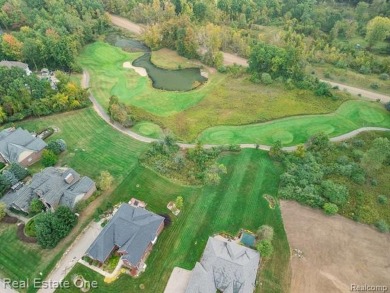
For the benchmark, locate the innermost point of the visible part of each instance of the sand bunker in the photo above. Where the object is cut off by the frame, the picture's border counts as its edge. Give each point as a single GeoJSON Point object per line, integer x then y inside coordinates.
{"type": "Point", "coordinates": [141, 71]}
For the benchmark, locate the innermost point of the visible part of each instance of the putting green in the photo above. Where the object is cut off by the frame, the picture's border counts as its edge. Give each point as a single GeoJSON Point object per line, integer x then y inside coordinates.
{"type": "Point", "coordinates": [295, 130]}
{"type": "Point", "coordinates": [148, 129]}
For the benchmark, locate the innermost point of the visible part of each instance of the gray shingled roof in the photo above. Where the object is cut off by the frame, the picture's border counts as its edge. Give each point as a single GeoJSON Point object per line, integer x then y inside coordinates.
{"type": "Point", "coordinates": [225, 266]}
{"type": "Point", "coordinates": [131, 229]}
{"type": "Point", "coordinates": [51, 187]}
{"type": "Point", "coordinates": [14, 142]}
{"type": "Point", "coordinates": [10, 64]}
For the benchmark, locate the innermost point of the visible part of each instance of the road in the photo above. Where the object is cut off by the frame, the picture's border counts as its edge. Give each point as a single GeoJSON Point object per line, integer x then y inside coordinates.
{"type": "Point", "coordinates": [73, 254]}
{"type": "Point", "coordinates": [103, 114]}
{"type": "Point", "coordinates": [230, 59]}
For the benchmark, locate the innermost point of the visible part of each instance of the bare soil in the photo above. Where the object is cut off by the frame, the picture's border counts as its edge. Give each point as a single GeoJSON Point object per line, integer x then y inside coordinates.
{"type": "Point", "coordinates": [335, 252]}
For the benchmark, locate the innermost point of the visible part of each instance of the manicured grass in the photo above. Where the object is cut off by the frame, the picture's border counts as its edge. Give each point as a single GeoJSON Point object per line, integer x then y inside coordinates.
{"type": "Point", "coordinates": [294, 130]}
{"type": "Point", "coordinates": [223, 100]}
{"type": "Point", "coordinates": [149, 129]}
{"type": "Point", "coordinates": [237, 202]}
{"type": "Point", "coordinates": [19, 261]}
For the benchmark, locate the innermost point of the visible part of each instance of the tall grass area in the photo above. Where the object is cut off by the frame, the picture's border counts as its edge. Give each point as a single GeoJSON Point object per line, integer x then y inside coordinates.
{"type": "Point", "coordinates": [295, 130]}
{"type": "Point", "coordinates": [223, 100]}
{"type": "Point", "coordinates": [235, 203]}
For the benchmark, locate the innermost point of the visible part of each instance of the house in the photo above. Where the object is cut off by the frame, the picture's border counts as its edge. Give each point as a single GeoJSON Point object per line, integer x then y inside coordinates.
{"type": "Point", "coordinates": [54, 187]}
{"type": "Point", "coordinates": [225, 267]}
{"type": "Point", "coordinates": [131, 233]}
{"type": "Point", "coordinates": [20, 146]}
{"type": "Point", "coordinates": [11, 64]}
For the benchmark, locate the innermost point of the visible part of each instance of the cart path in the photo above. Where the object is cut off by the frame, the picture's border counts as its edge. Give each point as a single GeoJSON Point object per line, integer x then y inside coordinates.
{"type": "Point", "coordinates": [231, 59]}
{"type": "Point", "coordinates": [103, 114]}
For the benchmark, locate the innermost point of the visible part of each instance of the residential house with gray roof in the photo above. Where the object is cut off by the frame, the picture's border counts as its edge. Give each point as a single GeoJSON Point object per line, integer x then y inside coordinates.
{"type": "Point", "coordinates": [131, 233]}
{"type": "Point", "coordinates": [225, 267]}
{"type": "Point", "coordinates": [20, 146]}
{"type": "Point", "coordinates": [54, 187]}
{"type": "Point", "coordinates": [21, 65]}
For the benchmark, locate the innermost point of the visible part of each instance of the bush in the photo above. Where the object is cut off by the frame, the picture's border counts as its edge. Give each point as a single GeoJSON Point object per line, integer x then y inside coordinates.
{"type": "Point", "coordinates": [49, 158]}
{"type": "Point", "coordinates": [265, 248]}
{"type": "Point", "coordinates": [105, 180]}
{"type": "Point", "coordinates": [2, 211]}
{"type": "Point", "coordinates": [335, 193]}
{"type": "Point", "coordinates": [265, 232]}
{"type": "Point", "coordinates": [374, 86]}
{"type": "Point", "coordinates": [19, 172]}
{"type": "Point", "coordinates": [36, 206]}
{"type": "Point", "coordinates": [365, 70]}
{"type": "Point", "coordinates": [330, 208]}
{"type": "Point", "coordinates": [30, 229]}
{"type": "Point", "coordinates": [382, 199]}
{"type": "Point", "coordinates": [57, 146]}
{"type": "Point", "coordinates": [384, 76]}
{"type": "Point", "coordinates": [266, 78]}
{"type": "Point", "coordinates": [387, 106]}
{"type": "Point", "coordinates": [382, 226]}
{"type": "Point", "coordinates": [9, 178]}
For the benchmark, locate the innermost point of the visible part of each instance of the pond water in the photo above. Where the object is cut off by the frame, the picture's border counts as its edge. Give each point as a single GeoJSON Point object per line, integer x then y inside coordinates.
{"type": "Point", "coordinates": [170, 80]}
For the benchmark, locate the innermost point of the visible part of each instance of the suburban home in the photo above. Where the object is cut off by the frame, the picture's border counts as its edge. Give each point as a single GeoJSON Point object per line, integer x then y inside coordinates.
{"type": "Point", "coordinates": [11, 64]}
{"type": "Point", "coordinates": [20, 146]}
{"type": "Point", "coordinates": [131, 233]}
{"type": "Point", "coordinates": [226, 267]}
{"type": "Point", "coordinates": [54, 187]}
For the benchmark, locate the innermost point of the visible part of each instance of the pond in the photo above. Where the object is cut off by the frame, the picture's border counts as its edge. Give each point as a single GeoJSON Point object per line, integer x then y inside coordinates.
{"type": "Point", "coordinates": [170, 80]}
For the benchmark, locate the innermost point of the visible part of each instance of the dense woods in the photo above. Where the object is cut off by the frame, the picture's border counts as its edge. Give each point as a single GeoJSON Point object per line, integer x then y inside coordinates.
{"type": "Point", "coordinates": [49, 33]}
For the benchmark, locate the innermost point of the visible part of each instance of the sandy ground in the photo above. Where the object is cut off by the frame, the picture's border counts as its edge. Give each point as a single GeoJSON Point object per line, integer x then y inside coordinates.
{"type": "Point", "coordinates": [141, 71]}
{"type": "Point", "coordinates": [178, 281]}
{"type": "Point", "coordinates": [337, 252]}
{"type": "Point", "coordinates": [126, 24]}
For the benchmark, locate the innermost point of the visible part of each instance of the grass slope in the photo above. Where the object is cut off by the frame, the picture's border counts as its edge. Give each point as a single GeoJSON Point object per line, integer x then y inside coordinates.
{"type": "Point", "coordinates": [223, 100]}
{"type": "Point", "coordinates": [236, 203]}
{"type": "Point", "coordinates": [294, 130]}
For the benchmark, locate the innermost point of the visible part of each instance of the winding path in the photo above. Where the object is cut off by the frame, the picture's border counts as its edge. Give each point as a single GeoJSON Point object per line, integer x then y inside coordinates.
{"type": "Point", "coordinates": [103, 114]}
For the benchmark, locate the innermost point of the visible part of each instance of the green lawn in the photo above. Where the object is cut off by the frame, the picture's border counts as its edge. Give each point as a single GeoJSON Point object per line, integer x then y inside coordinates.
{"type": "Point", "coordinates": [223, 100]}
{"type": "Point", "coordinates": [294, 130]}
{"type": "Point", "coordinates": [147, 128]}
{"type": "Point", "coordinates": [236, 203]}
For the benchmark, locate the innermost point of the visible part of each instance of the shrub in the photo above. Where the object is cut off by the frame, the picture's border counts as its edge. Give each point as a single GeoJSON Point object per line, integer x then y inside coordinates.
{"type": "Point", "coordinates": [179, 202]}
{"type": "Point", "coordinates": [387, 106]}
{"type": "Point", "coordinates": [382, 199]}
{"type": "Point", "coordinates": [265, 248]}
{"type": "Point", "coordinates": [36, 206]}
{"type": "Point", "coordinates": [19, 172]}
{"type": "Point", "coordinates": [330, 208]}
{"type": "Point", "coordinates": [382, 226]}
{"type": "Point", "coordinates": [265, 232]}
{"type": "Point", "coordinates": [365, 70]}
{"type": "Point", "coordinates": [374, 86]}
{"type": "Point", "coordinates": [266, 78]}
{"type": "Point", "coordinates": [384, 76]}
{"type": "Point", "coordinates": [10, 178]}
{"type": "Point", "coordinates": [105, 180]}
{"type": "Point", "coordinates": [57, 146]}
{"type": "Point", "coordinates": [30, 229]}
{"type": "Point", "coordinates": [336, 193]}
{"type": "Point", "coordinates": [49, 158]}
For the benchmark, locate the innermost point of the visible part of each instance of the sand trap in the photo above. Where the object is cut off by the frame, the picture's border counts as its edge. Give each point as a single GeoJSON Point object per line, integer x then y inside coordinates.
{"type": "Point", "coordinates": [141, 71]}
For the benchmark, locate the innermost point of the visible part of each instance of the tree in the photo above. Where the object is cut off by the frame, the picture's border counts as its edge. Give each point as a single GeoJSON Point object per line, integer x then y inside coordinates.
{"type": "Point", "coordinates": [378, 29]}
{"type": "Point", "coordinates": [179, 202]}
{"type": "Point", "coordinates": [276, 151]}
{"type": "Point", "coordinates": [330, 208]}
{"type": "Point", "coordinates": [265, 248]}
{"type": "Point", "coordinates": [57, 146]}
{"type": "Point", "coordinates": [300, 152]}
{"type": "Point", "coordinates": [36, 206]}
{"type": "Point", "coordinates": [49, 158]}
{"type": "Point", "coordinates": [335, 193]}
{"type": "Point", "coordinates": [105, 180]}
{"type": "Point", "coordinates": [10, 177]}
{"type": "Point", "coordinates": [19, 172]}
{"type": "Point", "coordinates": [265, 232]}
{"type": "Point", "coordinates": [318, 142]}
{"type": "Point", "coordinates": [374, 158]}
{"type": "Point", "coordinates": [2, 210]}
{"type": "Point", "coordinates": [212, 176]}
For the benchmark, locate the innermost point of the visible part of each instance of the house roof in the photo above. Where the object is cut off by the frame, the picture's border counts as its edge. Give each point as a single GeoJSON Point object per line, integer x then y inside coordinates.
{"type": "Point", "coordinates": [50, 185]}
{"type": "Point", "coordinates": [131, 230]}
{"type": "Point", "coordinates": [225, 266]}
{"type": "Point", "coordinates": [13, 142]}
{"type": "Point", "coordinates": [10, 64]}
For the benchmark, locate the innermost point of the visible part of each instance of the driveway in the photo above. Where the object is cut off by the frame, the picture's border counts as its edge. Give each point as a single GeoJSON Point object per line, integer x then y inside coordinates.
{"type": "Point", "coordinates": [73, 254]}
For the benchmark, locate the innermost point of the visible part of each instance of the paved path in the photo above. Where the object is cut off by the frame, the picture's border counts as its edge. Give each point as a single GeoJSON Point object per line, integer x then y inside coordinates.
{"type": "Point", "coordinates": [103, 114]}
{"type": "Point", "coordinates": [230, 59]}
{"type": "Point", "coordinates": [73, 254]}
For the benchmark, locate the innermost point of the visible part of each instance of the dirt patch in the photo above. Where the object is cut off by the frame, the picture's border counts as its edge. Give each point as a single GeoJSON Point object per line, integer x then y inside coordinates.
{"type": "Point", "coordinates": [141, 71]}
{"type": "Point", "coordinates": [332, 253]}
{"type": "Point", "coordinates": [9, 220]}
